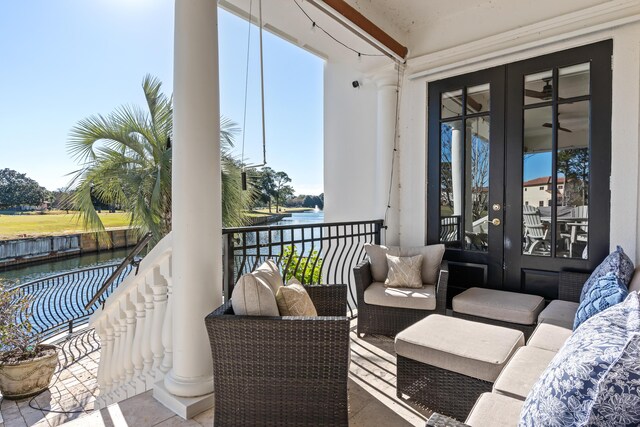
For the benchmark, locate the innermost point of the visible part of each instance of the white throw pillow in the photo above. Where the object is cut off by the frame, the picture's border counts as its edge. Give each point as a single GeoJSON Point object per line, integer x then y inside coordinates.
{"type": "Point", "coordinates": [377, 259]}
{"type": "Point", "coordinates": [253, 297]}
{"type": "Point", "coordinates": [269, 274]}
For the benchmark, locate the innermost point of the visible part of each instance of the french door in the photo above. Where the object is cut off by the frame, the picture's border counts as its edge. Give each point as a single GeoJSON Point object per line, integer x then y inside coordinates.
{"type": "Point", "coordinates": [519, 165]}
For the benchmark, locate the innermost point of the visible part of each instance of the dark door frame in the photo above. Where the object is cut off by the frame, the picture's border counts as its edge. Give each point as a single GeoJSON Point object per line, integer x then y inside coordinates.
{"type": "Point", "coordinates": [496, 79]}
{"type": "Point", "coordinates": [506, 180]}
{"type": "Point", "coordinates": [599, 57]}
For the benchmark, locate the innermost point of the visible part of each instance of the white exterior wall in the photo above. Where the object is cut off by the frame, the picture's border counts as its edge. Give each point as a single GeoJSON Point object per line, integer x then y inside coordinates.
{"type": "Point", "coordinates": [350, 115]}
{"type": "Point", "coordinates": [350, 146]}
{"type": "Point", "coordinates": [625, 185]}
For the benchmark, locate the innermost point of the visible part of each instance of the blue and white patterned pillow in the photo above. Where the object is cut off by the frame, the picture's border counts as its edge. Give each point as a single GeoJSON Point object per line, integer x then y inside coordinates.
{"type": "Point", "coordinates": [605, 293]}
{"type": "Point", "coordinates": [616, 262]}
{"type": "Point", "coordinates": [594, 380]}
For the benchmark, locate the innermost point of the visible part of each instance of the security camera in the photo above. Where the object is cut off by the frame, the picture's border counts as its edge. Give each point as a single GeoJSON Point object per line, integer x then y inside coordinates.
{"type": "Point", "coordinates": [355, 84]}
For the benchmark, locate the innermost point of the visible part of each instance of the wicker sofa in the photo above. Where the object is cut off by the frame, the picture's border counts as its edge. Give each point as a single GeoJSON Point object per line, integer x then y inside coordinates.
{"type": "Point", "coordinates": [389, 320]}
{"type": "Point", "coordinates": [529, 362]}
{"type": "Point", "coordinates": [288, 370]}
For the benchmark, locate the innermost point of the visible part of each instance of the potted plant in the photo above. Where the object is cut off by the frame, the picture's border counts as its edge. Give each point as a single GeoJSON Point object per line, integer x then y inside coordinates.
{"type": "Point", "coordinates": [26, 366]}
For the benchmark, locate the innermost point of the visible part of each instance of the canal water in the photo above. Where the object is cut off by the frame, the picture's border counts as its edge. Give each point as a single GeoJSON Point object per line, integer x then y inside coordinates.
{"type": "Point", "coordinates": [33, 272]}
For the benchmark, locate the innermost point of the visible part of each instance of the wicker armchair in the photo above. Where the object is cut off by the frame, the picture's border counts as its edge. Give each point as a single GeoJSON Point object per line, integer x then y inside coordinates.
{"type": "Point", "coordinates": [282, 370]}
{"type": "Point", "coordinates": [383, 320]}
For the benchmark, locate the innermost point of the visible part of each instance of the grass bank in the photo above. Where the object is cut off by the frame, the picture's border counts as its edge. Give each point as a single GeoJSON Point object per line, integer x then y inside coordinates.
{"type": "Point", "coordinates": [16, 226]}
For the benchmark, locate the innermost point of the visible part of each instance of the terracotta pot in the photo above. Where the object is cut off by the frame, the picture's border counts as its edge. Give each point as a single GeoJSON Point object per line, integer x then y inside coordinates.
{"type": "Point", "coordinates": [29, 377]}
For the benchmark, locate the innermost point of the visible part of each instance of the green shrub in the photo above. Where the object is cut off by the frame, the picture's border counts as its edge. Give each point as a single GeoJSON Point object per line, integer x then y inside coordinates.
{"type": "Point", "coordinates": [307, 270]}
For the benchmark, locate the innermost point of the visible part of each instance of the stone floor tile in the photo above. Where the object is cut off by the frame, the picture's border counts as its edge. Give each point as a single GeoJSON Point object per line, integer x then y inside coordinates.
{"type": "Point", "coordinates": [177, 421]}
{"type": "Point", "coordinates": [205, 418]}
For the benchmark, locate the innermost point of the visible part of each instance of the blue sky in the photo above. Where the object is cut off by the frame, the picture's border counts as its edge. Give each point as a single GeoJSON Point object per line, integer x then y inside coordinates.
{"type": "Point", "coordinates": [65, 60]}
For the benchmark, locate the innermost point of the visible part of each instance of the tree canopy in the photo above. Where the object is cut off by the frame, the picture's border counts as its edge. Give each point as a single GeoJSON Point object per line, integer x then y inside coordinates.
{"type": "Point", "coordinates": [17, 189]}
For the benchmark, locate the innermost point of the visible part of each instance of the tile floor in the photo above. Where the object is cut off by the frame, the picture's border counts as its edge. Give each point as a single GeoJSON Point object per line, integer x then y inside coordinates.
{"type": "Point", "coordinates": [372, 397]}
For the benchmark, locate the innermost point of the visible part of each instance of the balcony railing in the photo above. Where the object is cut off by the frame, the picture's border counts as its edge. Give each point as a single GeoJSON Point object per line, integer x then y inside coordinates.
{"type": "Point", "coordinates": [57, 303]}
{"type": "Point", "coordinates": [313, 253]}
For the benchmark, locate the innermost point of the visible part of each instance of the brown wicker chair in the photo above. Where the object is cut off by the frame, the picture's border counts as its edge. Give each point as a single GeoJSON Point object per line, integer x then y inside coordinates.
{"type": "Point", "coordinates": [282, 370]}
{"type": "Point", "coordinates": [377, 319]}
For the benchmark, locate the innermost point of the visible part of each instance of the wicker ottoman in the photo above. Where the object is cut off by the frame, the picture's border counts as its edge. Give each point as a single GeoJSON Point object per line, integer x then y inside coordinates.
{"type": "Point", "coordinates": [445, 363]}
{"type": "Point", "coordinates": [501, 308]}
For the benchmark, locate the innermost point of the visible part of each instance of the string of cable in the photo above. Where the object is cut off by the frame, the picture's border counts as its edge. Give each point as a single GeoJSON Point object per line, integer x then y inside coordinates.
{"type": "Point", "coordinates": [315, 25]}
{"type": "Point", "coordinates": [395, 147]}
{"type": "Point", "coordinates": [246, 85]}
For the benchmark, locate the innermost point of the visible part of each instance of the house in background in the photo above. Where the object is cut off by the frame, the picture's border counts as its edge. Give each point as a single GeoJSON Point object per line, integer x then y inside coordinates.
{"type": "Point", "coordinates": [537, 192]}
{"type": "Point", "coordinates": [559, 79]}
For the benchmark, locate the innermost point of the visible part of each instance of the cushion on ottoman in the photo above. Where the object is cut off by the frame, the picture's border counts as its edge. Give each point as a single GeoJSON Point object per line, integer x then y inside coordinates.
{"type": "Point", "coordinates": [510, 307]}
{"type": "Point", "coordinates": [559, 312]}
{"type": "Point", "coordinates": [423, 298]}
{"type": "Point", "coordinates": [522, 372]}
{"type": "Point", "coordinates": [548, 336]}
{"type": "Point", "coordinates": [495, 410]}
{"type": "Point", "coordinates": [469, 348]}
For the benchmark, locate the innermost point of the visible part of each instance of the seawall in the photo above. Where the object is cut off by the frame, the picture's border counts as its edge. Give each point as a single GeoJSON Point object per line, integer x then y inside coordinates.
{"type": "Point", "coordinates": [23, 251]}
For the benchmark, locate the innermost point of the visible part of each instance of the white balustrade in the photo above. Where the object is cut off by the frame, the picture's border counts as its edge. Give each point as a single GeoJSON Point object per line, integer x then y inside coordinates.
{"type": "Point", "coordinates": [135, 329]}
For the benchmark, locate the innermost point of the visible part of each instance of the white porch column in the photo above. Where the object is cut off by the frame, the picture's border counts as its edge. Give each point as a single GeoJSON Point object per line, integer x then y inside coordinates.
{"type": "Point", "coordinates": [197, 216]}
{"type": "Point", "coordinates": [386, 127]}
{"type": "Point", "coordinates": [457, 169]}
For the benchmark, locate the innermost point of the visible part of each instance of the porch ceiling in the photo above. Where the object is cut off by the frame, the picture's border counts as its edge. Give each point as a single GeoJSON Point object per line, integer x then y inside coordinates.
{"type": "Point", "coordinates": [423, 26]}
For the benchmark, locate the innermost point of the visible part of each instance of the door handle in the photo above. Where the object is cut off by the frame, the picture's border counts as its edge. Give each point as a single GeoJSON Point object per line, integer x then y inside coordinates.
{"type": "Point", "coordinates": [496, 221]}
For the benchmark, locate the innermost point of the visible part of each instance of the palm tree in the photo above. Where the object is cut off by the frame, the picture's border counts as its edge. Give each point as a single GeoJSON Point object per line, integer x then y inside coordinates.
{"type": "Point", "coordinates": [125, 162]}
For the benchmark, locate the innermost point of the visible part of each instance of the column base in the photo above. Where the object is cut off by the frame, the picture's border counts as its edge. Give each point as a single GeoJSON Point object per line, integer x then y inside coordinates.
{"type": "Point", "coordinates": [185, 407]}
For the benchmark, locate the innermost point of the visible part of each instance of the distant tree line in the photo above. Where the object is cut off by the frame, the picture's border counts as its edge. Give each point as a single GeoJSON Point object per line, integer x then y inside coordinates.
{"type": "Point", "coordinates": [16, 190]}
{"type": "Point", "coordinates": [306, 201]}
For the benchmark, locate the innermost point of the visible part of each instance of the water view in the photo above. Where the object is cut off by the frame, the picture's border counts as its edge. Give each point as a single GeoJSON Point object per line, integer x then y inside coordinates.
{"type": "Point", "coordinates": [34, 272]}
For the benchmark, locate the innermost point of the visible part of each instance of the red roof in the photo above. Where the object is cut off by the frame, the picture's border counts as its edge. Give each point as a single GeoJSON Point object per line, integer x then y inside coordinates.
{"type": "Point", "coordinates": [543, 180]}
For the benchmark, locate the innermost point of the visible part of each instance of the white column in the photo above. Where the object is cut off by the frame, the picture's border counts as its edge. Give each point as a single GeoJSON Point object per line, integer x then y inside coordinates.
{"type": "Point", "coordinates": [467, 180]}
{"type": "Point", "coordinates": [457, 170]}
{"type": "Point", "coordinates": [386, 127]}
{"type": "Point", "coordinates": [196, 196]}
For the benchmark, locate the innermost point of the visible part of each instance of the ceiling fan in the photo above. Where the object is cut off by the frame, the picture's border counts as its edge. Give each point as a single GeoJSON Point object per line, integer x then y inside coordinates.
{"type": "Point", "coordinates": [549, 125]}
{"type": "Point", "coordinates": [545, 94]}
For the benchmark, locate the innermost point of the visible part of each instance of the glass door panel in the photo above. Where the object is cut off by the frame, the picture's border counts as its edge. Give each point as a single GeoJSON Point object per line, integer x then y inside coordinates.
{"type": "Point", "coordinates": [572, 218]}
{"type": "Point", "coordinates": [477, 206]}
{"type": "Point", "coordinates": [464, 168]}
{"type": "Point", "coordinates": [537, 167]}
{"type": "Point", "coordinates": [451, 183]}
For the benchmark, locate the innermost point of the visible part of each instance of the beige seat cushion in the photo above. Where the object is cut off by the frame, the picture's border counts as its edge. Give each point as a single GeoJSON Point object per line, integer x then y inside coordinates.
{"type": "Point", "coordinates": [269, 274]}
{"type": "Point", "coordinates": [293, 300]}
{"type": "Point", "coordinates": [495, 410]}
{"type": "Point", "coordinates": [404, 272]}
{"type": "Point", "coordinates": [548, 336]}
{"type": "Point", "coordinates": [511, 307]}
{"type": "Point", "coordinates": [470, 348]}
{"type": "Point", "coordinates": [522, 372]}
{"type": "Point", "coordinates": [559, 312]}
{"type": "Point", "coordinates": [253, 297]}
{"type": "Point", "coordinates": [432, 258]}
{"type": "Point", "coordinates": [423, 298]}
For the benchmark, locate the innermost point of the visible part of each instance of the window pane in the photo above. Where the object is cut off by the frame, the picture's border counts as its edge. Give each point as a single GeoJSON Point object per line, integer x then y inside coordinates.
{"type": "Point", "coordinates": [477, 185]}
{"type": "Point", "coordinates": [573, 180]}
{"type": "Point", "coordinates": [538, 87]}
{"type": "Point", "coordinates": [573, 81]}
{"type": "Point", "coordinates": [451, 104]}
{"type": "Point", "coordinates": [451, 176]}
{"type": "Point", "coordinates": [537, 170]}
{"type": "Point", "coordinates": [478, 98]}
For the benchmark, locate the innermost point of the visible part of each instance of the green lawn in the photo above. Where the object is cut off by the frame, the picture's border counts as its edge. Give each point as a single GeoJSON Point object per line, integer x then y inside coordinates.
{"type": "Point", "coordinates": [12, 226]}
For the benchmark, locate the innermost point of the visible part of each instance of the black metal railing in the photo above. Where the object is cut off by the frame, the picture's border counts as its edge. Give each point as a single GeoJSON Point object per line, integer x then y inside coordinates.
{"type": "Point", "coordinates": [313, 253]}
{"type": "Point", "coordinates": [130, 260]}
{"type": "Point", "coordinates": [60, 303]}
{"type": "Point", "coordinates": [450, 229]}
